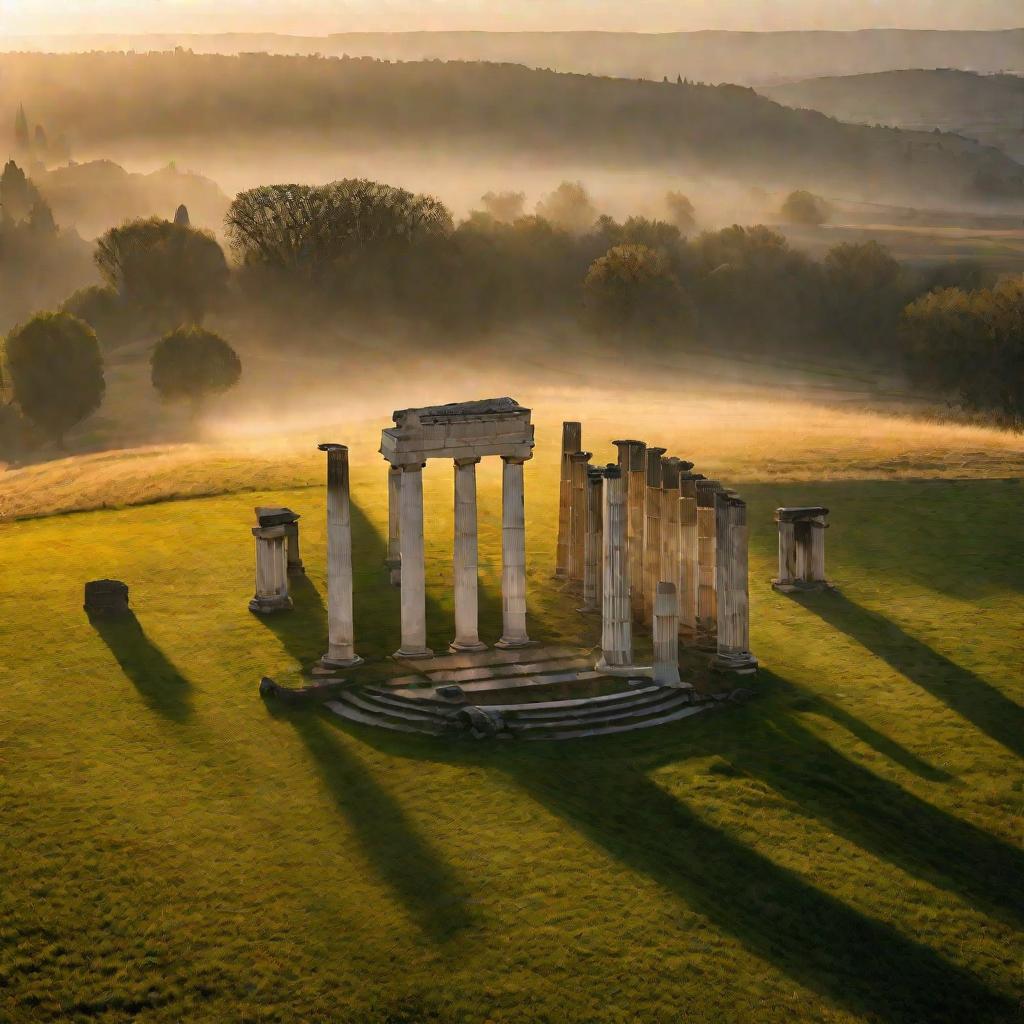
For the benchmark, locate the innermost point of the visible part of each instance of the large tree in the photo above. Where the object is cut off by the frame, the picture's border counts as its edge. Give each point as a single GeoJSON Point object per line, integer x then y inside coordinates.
{"type": "Point", "coordinates": [569, 206]}
{"type": "Point", "coordinates": [55, 372]}
{"type": "Point", "coordinates": [192, 363]}
{"type": "Point", "coordinates": [169, 272]}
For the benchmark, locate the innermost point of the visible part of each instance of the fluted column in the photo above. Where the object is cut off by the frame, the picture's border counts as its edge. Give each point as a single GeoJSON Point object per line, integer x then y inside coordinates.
{"type": "Point", "coordinates": [572, 441]}
{"type": "Point", "coordinates": [633, 465]}
{"type": "Point", "coordinates": [467, 635]}
{"type": "Point", "coordinates": [271, 570]}
{"type": "Point", "coordinates": [652, 530]}
{"type": "Point", "coordinates": [592, 547]}
{"type": "Point", "coordinates": [394, 558]}
{"type": "Point", "coordinates": [666, 634]}
{"type": "Point", "coordinates": [707, 609]}
{"type": "Point", "coordinates": [733, 652]}
{"type": "Point", "coordinates": [689, 581]}
{"type": "Point", "coordinates": [513, 555]}
{"type": "Point", "coordinates": [616, 624]}
{"type": "Point", "coordinates": [340, 629]}
{"type": "Point", "coordinates": [414, 584]}
{"type": "Point", "coordinates": [578, 465]}
{"type": "Point", "coordinates": [670, 470]}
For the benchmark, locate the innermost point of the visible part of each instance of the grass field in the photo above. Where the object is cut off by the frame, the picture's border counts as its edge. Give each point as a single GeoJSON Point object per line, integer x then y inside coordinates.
{"type": "Point", "coordinates": [845, 848]}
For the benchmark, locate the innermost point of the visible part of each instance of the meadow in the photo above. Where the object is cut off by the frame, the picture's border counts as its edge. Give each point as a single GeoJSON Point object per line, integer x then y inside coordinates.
{"type": "Point", "coordinates": [844, 848]}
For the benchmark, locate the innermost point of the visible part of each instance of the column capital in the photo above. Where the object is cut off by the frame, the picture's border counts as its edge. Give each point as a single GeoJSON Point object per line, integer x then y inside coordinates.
{"type": "Point", "coordinates": [472, 461]}
{"type": "Point", "coordinates": [411, 467]}
{"type": "Point", "coordinates": [516, 460]}
{"type": "Point", "coordinates": [580, 456]}
{"type": "Point", "coordinates": [332, 446]}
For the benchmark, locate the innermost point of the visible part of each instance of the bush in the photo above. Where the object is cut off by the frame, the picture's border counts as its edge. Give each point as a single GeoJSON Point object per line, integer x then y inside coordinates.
{"type": "Point", "coordinates": [803, 207]}
{"type": "Point", "coordinates": [102, 309]}
{"type": "Point", "coordinates": [191, 364]}
{"type": "Point", "coordinates": [55, 371]}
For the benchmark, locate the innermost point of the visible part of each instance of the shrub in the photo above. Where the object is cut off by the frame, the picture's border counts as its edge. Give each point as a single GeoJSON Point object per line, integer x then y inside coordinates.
{"type": "Point", "coordinates": [192, 363]}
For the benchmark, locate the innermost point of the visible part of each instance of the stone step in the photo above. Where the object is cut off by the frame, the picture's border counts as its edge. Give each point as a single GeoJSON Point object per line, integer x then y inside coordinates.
{"type": "Point", "coordinates": [494, 657]}
{"type": "Point", "coordinates": [604, 717]}
{"type": "Point", "coordinates": [354, 714]}
{"type": "Point", "coordinates": [474, 691]}
{"type": "Point", "coordinates": [555, 705]}
{"type": "Point", "coordinates": [467, 675]}
{"type": "Point", "coordinates": [404, 711]}
{"type": "Point", "coordinates": [645, 723]}
{"type": "Point", "coordinates": [657, 698]}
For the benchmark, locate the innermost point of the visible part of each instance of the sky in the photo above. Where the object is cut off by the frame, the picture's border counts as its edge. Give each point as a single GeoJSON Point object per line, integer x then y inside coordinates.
{"type": "Point", "coordinates": [320, 17]}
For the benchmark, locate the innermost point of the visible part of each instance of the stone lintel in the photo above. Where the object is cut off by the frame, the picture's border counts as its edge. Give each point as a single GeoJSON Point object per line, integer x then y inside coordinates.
{"type": "Point", "coordinates": [268, 515]}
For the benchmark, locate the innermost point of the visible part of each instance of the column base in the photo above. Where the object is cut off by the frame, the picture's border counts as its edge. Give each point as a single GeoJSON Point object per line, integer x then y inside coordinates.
{"type": "Point", "coordinates": [328, 662]}
{"type": "Point", "coordinates": [514, 643]}
{"type": "Point", "coordinates": [296, 569]}
{"type": "Point", "coordinates": [466, 646]}
{"type": "Point", "coordinates": [741, 663]}
{"type": "Point", "coordinates": [801, 586]}
{"type": "Point", "coordinates": [413, 653]}
{"type": "Point", "coordinates": [626, 671]}
{"type": "Point", "coordinates": [269, 605]}
{"type": "Point", "coordinates": [666, 676]}
{"type": "Point", "coordinates": [588, 609]}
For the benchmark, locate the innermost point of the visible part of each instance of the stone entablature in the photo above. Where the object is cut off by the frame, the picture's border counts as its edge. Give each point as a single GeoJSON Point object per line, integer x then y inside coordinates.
{"type": "Point", "coordinates": [463, 430]}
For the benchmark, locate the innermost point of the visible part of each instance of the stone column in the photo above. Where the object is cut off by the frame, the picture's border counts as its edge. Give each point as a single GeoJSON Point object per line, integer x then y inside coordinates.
{"type": "Point", "coordinates": [394, 558]}
{"type": "Point", "coordinates": [271, 570]}
{"type": "Point", "coordinates": [467, 628]}
{"type": "Point", "coordinates": [707, 613]}
{"type": "Point", "coordinates": [801, 549]}
{"type": "Point", "coordinates": [633, 465]}
{"type": "Point", "coordinates": [579, 462]}
{"type": "Point", "coordinates": [279, 516]}
{"type": "Point", "coordinates": [669, 571]}
{"type": "Point", "coordinates": [666, 635]}
{"type": "Point", "coordinates": [592, 553]}
{"type": "Point", "coordinates": [652, 530]}
{"type": "Point", "coordinates": [513, 555]}
{"type": "Point", "coordinates": [733, 653]}
{"type": "Point", "coordinates": [616, 624]}
{"type": "Point", "coordinates": [688, 577]}
{"type": "Point", "coordinates": [340, 630]}
{"type": "Point", "coordinates": [414, 583]}
{"type": "Point", "coordinates": [572, 441]}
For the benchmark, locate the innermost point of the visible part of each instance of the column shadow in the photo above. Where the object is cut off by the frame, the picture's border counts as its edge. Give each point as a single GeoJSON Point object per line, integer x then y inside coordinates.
{"type": "Point", "coordinates": [857, 962]}
{"type": "Point", "coordinates": [302, 631]}
{"type": "Point", "coordinates": [959, 689]}
{"type": "Point", "coordinates": [164, 689]}
{"type": "Point", "coordinates": [426, 885]}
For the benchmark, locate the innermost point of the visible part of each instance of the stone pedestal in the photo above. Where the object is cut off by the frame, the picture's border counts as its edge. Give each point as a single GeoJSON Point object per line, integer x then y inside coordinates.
{"type": "Point", "coordinates": [340, 630]}
{"type": "Point", "coordinates": [592, 545]}
{"type": "Point", "coordinates": [733, 654]}
{"type": "Point", "coordinates": [616, 620]}
{"type": "Point", "coordinates": [467, 636]}
{"type": "Point", "coordinates": [666, 635]}
{"type": "Point", "coordinates": [106, 599]}
{"type": "Point", "coordinates": [513, 554]}
{"type": "Point", "coordinates": [271, 571]}
{"type": "Point", "coordinates": [688, 577]}
{"type": "Point", "coordinates": [801, 549]}
{"type": "Point", "coordinates": [394, 556]}
{"type": "Point", "coordinates": [414, 582]}
{"type": "Point", "coordinates": [277, 516]}
{"type": "Point", "coordinates": [572, 441]}
{"type": "Point", "coordinates": [579, 463]}
{"type": "Point", "coordinates": [652, 531]}
{"type": "Point", "coordinates": [633, 466]}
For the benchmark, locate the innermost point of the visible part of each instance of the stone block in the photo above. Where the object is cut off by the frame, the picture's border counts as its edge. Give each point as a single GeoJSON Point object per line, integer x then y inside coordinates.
{"type": "Point", "coordinates": [106, 598]}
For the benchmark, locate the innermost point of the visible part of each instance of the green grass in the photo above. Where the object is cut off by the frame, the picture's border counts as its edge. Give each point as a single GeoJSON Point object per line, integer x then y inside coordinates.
{"type": "Point", "coordinates": [845, 848]}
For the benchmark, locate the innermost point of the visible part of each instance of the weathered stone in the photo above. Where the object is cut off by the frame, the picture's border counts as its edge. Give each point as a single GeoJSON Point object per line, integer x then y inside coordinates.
{"type": "Point", "coordinates": [450, 692]}
{"type": "Point", "coordinates": [106, 598]}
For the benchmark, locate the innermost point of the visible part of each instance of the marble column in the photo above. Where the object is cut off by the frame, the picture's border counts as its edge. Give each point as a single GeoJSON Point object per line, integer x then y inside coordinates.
{"type": "Point", "coordinates": [513, 554]}
{"type": "Point", "coordinates": [467, 628]}
{"type": "Point", "coordinates": [394, 557]}
{"type": "Point", "coordinates": [572, 441]}
{"type": "Point", "coordinates": [666, 635]}
{"type": "Point", "coordinates": [707, 613]}
{"type": "Point", "coordinates": [616, 618]}
{"type": "Point", "coordinates": [271, 570]}
{"type": "Point", "coordinates": [340, 630]}
{"type": "Point", "coordinates": [652, 530]}
{"type": "Point", "coordinates": [733, 650]}
{"type": "Point", "coordinates": [592, 547]}
{"type": "Point", "coordinates": [579, 462]}
{"type": "Point", "coordinates": [414, 583]}
{"type": "Point", "coordinates": [689, 581]}
{"type": "Point", "coordinates": [801, 549]}
{"type": "Point", "coordinates": [670, 470]}
{"type": "Point", "coordinates": [633, 465]}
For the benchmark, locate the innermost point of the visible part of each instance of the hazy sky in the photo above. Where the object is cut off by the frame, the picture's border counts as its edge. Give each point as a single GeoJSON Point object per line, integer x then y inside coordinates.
{"type": "Point", "coordinates": [318, 17]}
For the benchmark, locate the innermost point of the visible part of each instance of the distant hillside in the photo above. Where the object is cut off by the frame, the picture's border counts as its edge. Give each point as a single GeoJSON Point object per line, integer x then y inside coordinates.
{"type": "Point", "coordinates": [989, 108]}
{"type": "Point", "coordinates": [747, 58]}
{"type": "Point", "coordinates": [218, 102]}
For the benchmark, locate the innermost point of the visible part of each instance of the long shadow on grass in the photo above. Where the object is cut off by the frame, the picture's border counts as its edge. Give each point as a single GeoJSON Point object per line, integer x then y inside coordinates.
{"type": "Point", "coordinates": [159, 683]}
{"type": "Point", "coordinates": [881, 816]}
{"type": "Point", "coordinates": [431, 892]}
{"type": "Point", "coordinates": [964, 692]}
{"type": "Point", "coordinates": [814, 938]}
{"type": "Point", "coordinates": [302, 631]}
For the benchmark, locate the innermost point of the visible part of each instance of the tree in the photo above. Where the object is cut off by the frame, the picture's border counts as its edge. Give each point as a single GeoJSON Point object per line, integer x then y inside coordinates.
{"type": "Point", "coordinates": [680, 211]}
{"type": "Point", "coordinates": [42, 142]}
{"type": "Point", "coordinates": [167, 271]}
{"type": "Point", "coordinates": [504, 207]}
{"type": "Point", "coordinates": [632, 287]}
{"type": "Point", "coordinates": [192, 363]}
{"type": "Point", "coordinates": [569, 207]}
{"type": "Point", "coordinates": [181, 217]}
{"type": "Point", "coordinates": [55, 371]}
{"type": "Point", "coordinates": [21, 137]}
{"type": "Point", "coordinates": [102, 309]}
{"type": "Point", "coordinates": [865, 293]}
{"type": "Point", "coordinates": [17, 193]}
{"type": "Point", "coordinates": [802, 207]}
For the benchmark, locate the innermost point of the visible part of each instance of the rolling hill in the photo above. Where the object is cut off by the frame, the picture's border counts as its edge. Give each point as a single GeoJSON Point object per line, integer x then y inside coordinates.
{"type": "Point", "coordinates": [988, 108]}
{"type": "Point", "coordinates": [469, 109]}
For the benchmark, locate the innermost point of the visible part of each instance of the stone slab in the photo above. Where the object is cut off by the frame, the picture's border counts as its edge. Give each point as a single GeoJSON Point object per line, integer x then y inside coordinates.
{"type": "Point", "coordinates": [497, 657]}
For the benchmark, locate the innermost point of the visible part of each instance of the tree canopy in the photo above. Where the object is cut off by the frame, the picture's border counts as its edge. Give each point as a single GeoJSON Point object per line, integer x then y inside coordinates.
{"type": "Point", "coordinates": [192, 363]}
